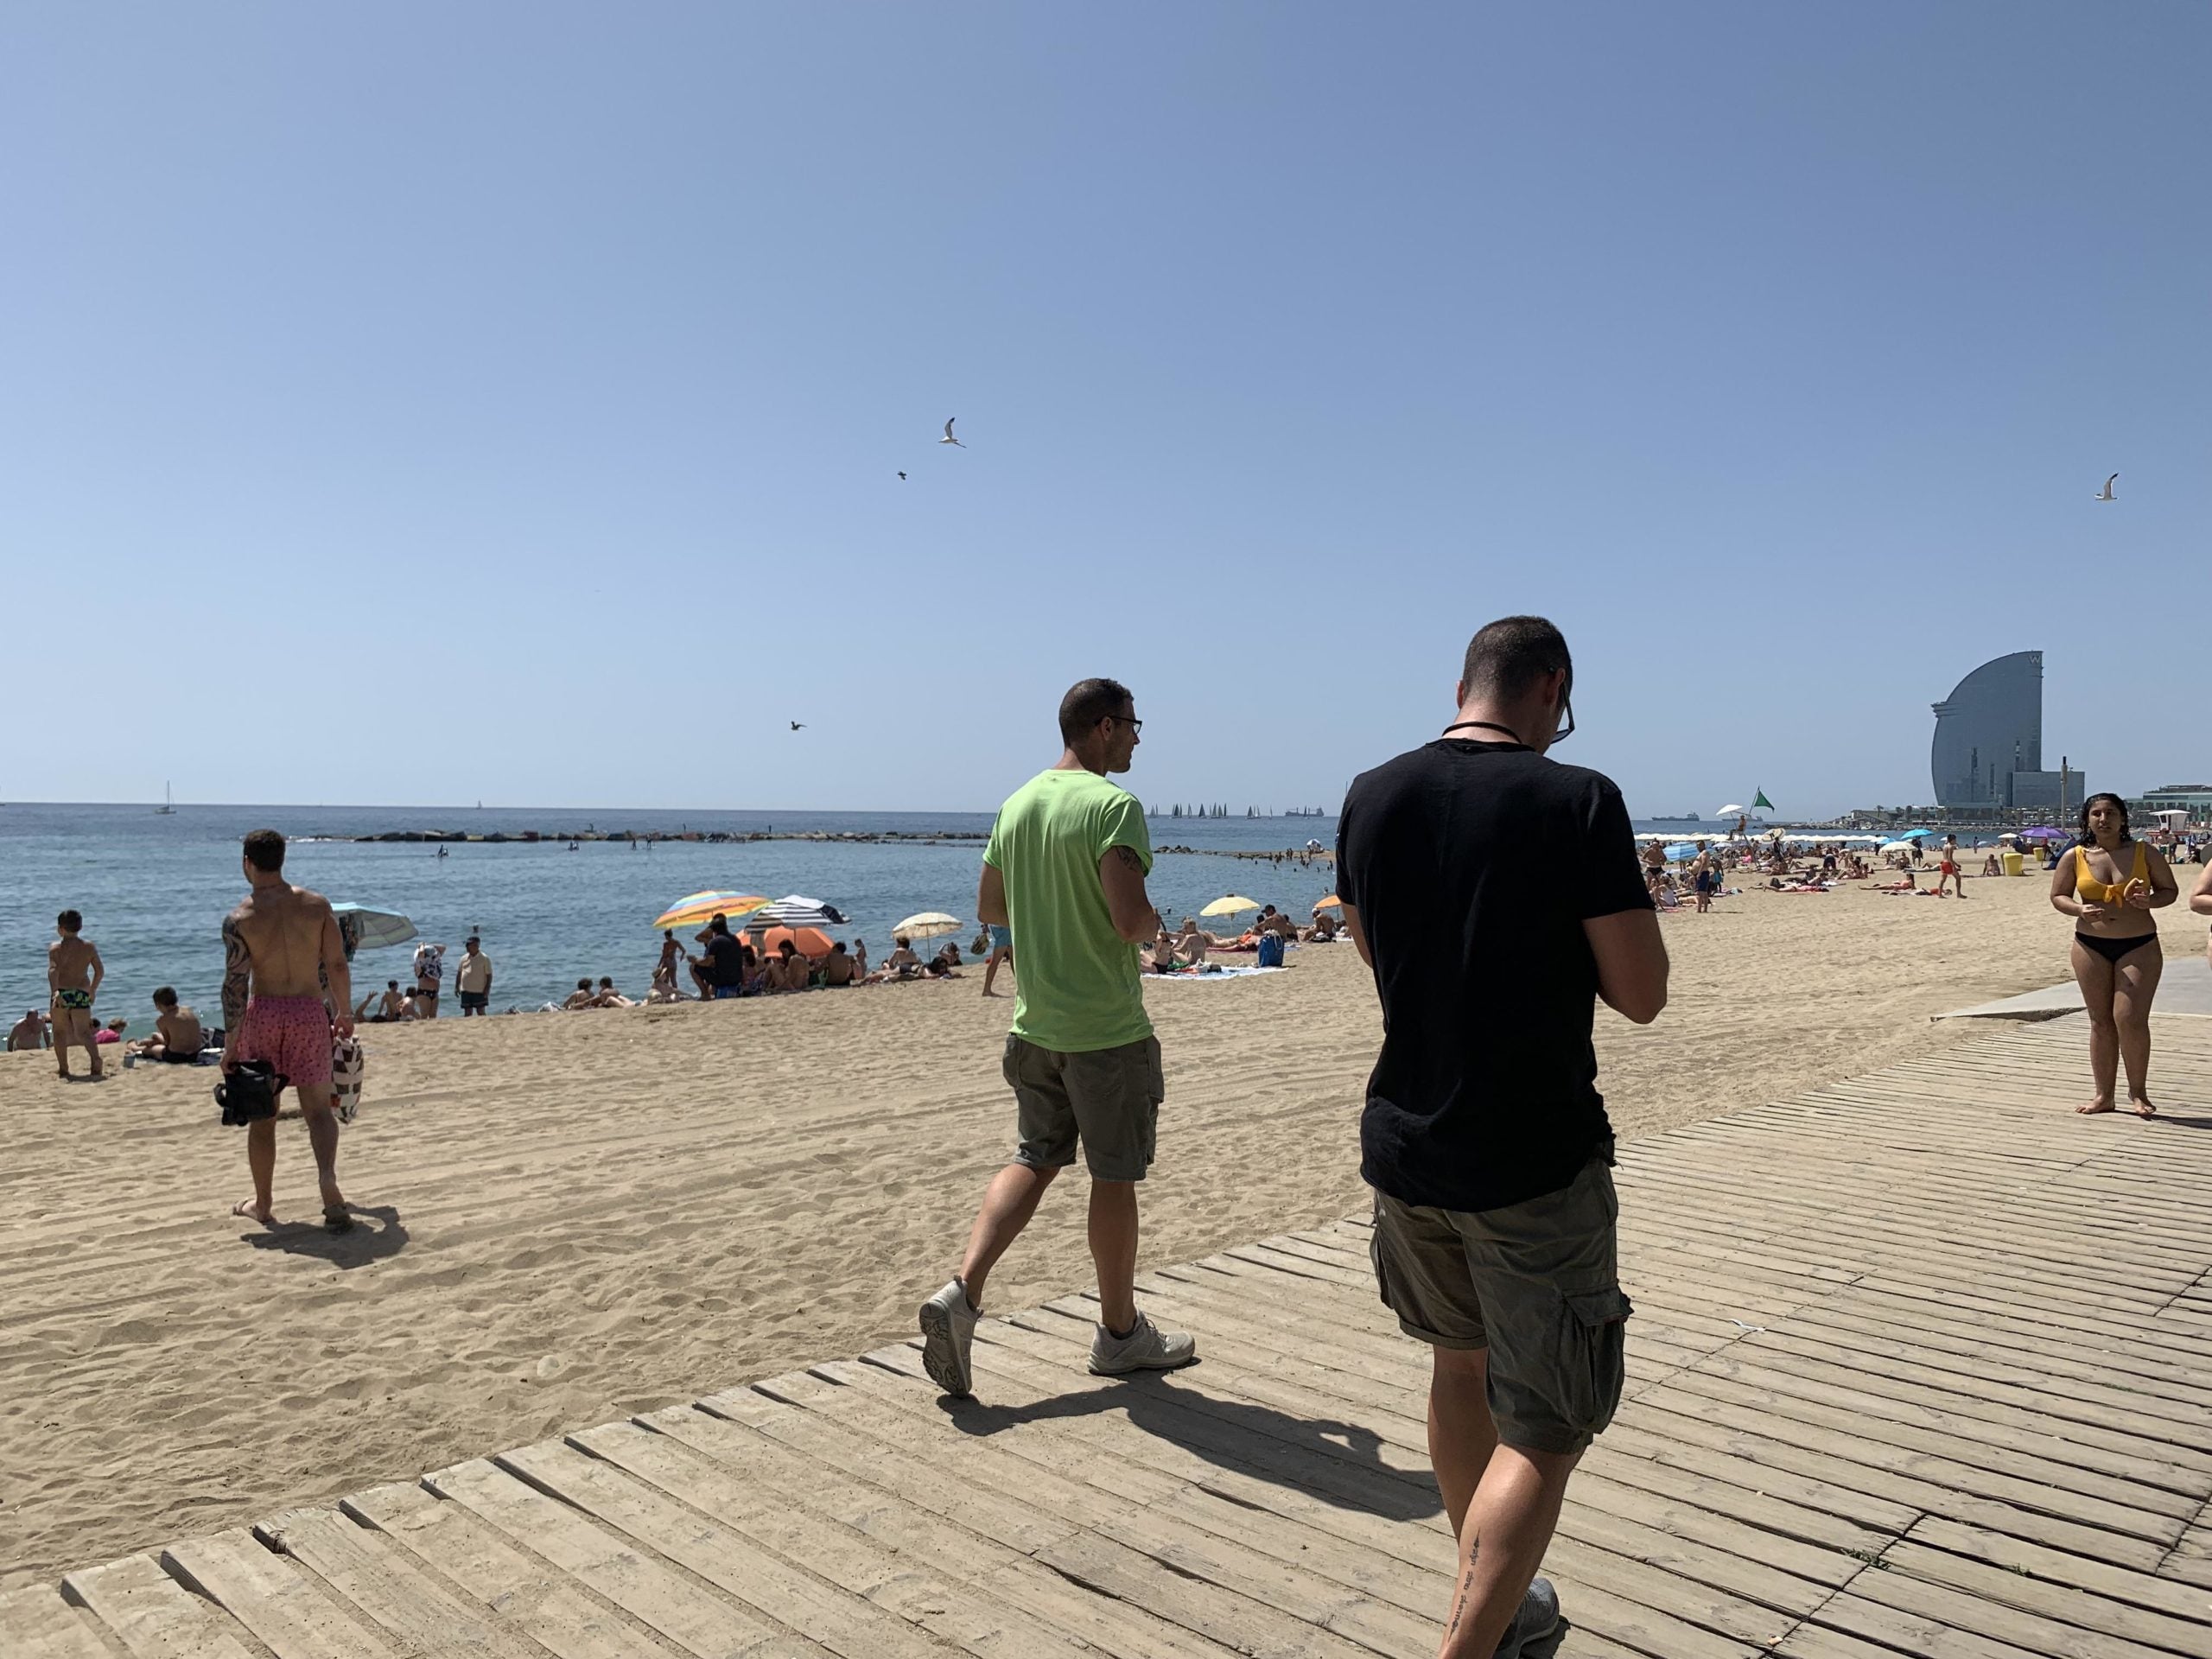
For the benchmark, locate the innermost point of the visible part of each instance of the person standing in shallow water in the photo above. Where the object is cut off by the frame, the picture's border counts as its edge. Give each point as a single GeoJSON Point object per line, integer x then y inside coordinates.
{"type": "Point", "coordinates": [2110, 882]}
{"type": "Point", "coordinates": [1484, 1136]}
{"type": "Point", "coordinates": [1065, 869]}
{"type": "Point", "coordinates": [285, 989]}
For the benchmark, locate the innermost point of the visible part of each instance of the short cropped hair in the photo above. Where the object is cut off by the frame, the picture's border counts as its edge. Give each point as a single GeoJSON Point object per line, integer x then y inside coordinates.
{"type": "Point", "coordinates": [69, 921]}
{"type": "Point", "coordinates": [583, 984]}
{"type": "Point", "coordinates": [265, 850]}
{"type": "Point", "coordinates": [165, 997]}
{"type": "Point", "coordinates": [1089, 702]}
{"type": "Point", "coordinates": [1507, 657]}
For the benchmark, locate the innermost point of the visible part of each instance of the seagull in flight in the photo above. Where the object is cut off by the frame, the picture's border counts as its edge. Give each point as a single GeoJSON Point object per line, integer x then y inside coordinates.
{"type": "Point", "coordinates": [2106, 496]}
{"type": "Point", "coordinates": [902, 477]}
{"type": "Point", "coordinates": [948, 437]}
{"type": "Point", "coordinates": [798, 725]}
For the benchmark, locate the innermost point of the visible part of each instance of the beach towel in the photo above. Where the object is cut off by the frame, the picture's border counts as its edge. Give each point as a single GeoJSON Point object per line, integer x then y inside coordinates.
{"type": "Point", "coordinates": [1189, 973]}
{"type": "Point", "coordinates": [347, 1068]}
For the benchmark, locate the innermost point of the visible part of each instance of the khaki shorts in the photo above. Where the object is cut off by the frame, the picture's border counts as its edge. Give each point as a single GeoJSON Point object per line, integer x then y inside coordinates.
{"type": "Point", "coordinates": [1537, 1284]}
{"type": "Point", "coordinates": [1107, 1098]}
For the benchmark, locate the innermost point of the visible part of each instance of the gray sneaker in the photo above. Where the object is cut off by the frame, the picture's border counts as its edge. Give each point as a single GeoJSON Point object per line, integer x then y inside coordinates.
{"type": "Point", "coordinates": [948, 1332]}
{"type": "Point", "coordinates": [1147, 1348]}
{"type": "Point", "coordinates": [1537, 1617]}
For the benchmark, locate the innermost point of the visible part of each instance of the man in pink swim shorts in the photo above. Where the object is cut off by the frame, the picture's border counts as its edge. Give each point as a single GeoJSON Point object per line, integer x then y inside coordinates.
{"type": "Point", "coordinates": [285, 988]}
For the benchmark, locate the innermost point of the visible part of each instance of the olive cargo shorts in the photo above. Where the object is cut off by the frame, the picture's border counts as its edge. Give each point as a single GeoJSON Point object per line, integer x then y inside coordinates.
{"type": "Point", "coordinates": [1537, 1284]}
{"type": "Point", "coordinates": [1107, 1098]}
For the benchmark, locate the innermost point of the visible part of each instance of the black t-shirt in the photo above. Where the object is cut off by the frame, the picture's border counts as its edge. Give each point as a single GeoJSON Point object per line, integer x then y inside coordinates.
{"type": "Point", "coordinates": [725, 961]}
{"type": "Point", "coordinates": [1474, 866]}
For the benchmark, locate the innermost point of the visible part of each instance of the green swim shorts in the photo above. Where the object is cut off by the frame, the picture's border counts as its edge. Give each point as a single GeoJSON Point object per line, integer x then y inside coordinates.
{"type": "Point", "coordinates": [1107, 1098]}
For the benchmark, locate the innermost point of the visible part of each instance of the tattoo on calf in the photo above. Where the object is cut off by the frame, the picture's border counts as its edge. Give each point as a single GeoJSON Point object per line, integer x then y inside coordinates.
{"type": "Point", "coordinates": [238, 975]}
{"type": "Point", "coordinates": [1467, 1583]}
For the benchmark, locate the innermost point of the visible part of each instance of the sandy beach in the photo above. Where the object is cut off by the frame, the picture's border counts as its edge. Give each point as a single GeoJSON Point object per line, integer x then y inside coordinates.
{"type": "Point", "coordinates": [570, 1218]}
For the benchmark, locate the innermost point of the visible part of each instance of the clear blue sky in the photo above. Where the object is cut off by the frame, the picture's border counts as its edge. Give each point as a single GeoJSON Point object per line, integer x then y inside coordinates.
{"type": "Point", "coordinates": [422, 402]}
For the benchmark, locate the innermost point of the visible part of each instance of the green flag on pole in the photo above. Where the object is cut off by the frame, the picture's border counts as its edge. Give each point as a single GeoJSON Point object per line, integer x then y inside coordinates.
{"type": "Point", "coordinates": [1758, 799]}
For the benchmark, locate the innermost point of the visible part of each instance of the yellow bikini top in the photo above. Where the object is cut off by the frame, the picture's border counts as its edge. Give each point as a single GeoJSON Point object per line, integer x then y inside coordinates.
{"type": "Point", "coordinates": [2091, 891]}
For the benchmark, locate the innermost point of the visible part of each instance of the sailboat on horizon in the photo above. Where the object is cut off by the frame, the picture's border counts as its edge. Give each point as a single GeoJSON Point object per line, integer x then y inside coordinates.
{"type": "Point", "coordinates": [167, 808]}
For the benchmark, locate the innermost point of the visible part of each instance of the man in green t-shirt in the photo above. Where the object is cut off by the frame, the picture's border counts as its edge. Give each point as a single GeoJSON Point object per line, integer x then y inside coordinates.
{"type": "Point", "coordinates": [1064, 871]}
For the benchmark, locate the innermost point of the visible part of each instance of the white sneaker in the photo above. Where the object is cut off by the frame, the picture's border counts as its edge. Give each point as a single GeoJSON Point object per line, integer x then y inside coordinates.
{"type": "Point", "coordinates": [948, 1332]}
{"type": "Point", "coordinates": [1147, 1348]}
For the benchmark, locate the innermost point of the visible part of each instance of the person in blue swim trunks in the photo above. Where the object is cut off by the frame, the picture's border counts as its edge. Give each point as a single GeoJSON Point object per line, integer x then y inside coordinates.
{"type": "Point", "coordinates": [1001, 951]}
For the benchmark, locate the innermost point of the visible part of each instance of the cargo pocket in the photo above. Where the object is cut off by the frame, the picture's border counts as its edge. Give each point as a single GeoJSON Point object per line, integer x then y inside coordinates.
{"type": "Point", "coordinates": [1593, 1357]}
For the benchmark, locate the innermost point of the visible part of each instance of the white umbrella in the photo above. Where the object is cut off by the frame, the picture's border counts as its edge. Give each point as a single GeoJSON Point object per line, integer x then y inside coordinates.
{"type": "Point", "coordinates": [1898, 847]}
{"type": "Point", "coordinates": [928, 924]}
{"type": "Point", "coordinates": [796, 910]}
{"type": "Point", "coordinates": [1728, 811]}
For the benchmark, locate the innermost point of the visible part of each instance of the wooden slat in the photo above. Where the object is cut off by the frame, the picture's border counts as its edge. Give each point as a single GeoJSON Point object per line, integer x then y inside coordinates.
{"type": "Point", "coordinates": [375, 1578]}
{"type": "Point", "coordinates": [151, 1614]}
{"type": "Point", "coordinates": [792, 1597]}
{"type": "Point", "coordinates": [606, 1563]}
{"type": "Point", "coordinates": [554, 1610]}
{"type": "Point", "coordinates": [271, 1597]}
{"type": "Point", "coordinates": [36, 1623]}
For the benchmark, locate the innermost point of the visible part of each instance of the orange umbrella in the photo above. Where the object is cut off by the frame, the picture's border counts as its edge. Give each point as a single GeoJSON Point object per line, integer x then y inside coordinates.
{"type": "Point", "coordinates": [807, 941]}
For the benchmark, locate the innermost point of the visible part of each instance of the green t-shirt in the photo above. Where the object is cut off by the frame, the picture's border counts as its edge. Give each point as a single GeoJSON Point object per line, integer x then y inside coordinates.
{"type": "Point", "coordinates": [1078, 983]}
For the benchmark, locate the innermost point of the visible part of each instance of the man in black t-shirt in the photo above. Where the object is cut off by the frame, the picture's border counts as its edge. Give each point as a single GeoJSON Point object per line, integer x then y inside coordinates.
{"type": "Point", "coordinates": [1496, 895]}
{"type": "Point", "coordinates": [725, 969]}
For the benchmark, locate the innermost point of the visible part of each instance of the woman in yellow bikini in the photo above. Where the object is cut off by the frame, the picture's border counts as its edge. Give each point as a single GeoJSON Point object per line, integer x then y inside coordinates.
{"type": "Point", "coordinates": [2110, 883]}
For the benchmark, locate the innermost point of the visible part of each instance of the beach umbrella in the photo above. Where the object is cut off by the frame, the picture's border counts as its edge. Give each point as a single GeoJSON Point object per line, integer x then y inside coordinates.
{"type": "Point", "coordinates": [1230, 905]}
{"type": "Point", "coordinates": [1897, 847]}
{"type": "Point", "coordinates": [1330, 903]}
{"type": "Point", "coordinates": [371, 929]}
{"type": "Point", "coordinates": [700, 908]}
{"type": "Point", "coordinates": [1915, 834]}
{"type": "Point", "coordinates": [1728, 811]}
{"type": "Point", "coordinates": [807, 941]}
{"type": "Point", "coordinates": [1682, 849]}
{"type": "Point", "coordinates": [928, 924]}
{"type": "Point", "coordinates": [797, 910]}
{"type": "Point", "coordinates": [2042, 832]}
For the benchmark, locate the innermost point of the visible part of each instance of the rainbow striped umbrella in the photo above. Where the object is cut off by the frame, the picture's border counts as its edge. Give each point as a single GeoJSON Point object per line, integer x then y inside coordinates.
{"type": "Point", "coordinates": [700, 908]}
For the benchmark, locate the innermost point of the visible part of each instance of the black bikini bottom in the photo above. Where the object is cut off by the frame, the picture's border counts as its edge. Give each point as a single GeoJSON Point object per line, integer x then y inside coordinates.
{"type": "Point", "coordinates": [2113, 949]}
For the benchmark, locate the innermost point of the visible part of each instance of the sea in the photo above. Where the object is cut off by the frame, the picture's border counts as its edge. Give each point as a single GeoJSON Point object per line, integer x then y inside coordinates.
{"type": "Point", "coordinates": [153, 888]}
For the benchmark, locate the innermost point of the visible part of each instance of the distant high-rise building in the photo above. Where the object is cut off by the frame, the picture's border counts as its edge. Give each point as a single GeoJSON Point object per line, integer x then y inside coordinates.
{"type": "Point", "coordinates": [1988, 747]}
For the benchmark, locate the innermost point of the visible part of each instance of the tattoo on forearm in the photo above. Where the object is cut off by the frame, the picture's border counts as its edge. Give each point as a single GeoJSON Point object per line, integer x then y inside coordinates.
{"type": "Point", "coordinates": [238, 977]}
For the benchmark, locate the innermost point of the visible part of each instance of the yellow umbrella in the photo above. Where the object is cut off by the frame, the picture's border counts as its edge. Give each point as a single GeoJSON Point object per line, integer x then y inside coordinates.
{"type": "Point", "coordinates": [1233, 904]}
{"type": "Point", "coordinates": [929, 925]}
{"type": "Point", "coordinates": [701, 908]}
{"type": "Point", "coordinates": [1329, 903]}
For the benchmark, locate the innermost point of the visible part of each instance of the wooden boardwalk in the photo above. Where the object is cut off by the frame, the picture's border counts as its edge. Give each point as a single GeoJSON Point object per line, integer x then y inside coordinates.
{"type": "Point", "coordinates": [1922, 1364]}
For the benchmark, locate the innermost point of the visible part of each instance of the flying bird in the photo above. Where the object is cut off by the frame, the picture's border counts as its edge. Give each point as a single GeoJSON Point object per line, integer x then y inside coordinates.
{"type": "Point", "coordinates": [902, 477]}
{"type": "Point", "coordinates": [948, 437]}
{"type": "Point", "coordinates": [2106, 496]}
{"type": "Point", "coordinates": [798, 725]}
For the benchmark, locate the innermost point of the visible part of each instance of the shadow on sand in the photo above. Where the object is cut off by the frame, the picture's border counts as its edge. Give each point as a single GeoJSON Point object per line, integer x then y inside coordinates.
{"type": "Point", "coordinates": [378, 1234]}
